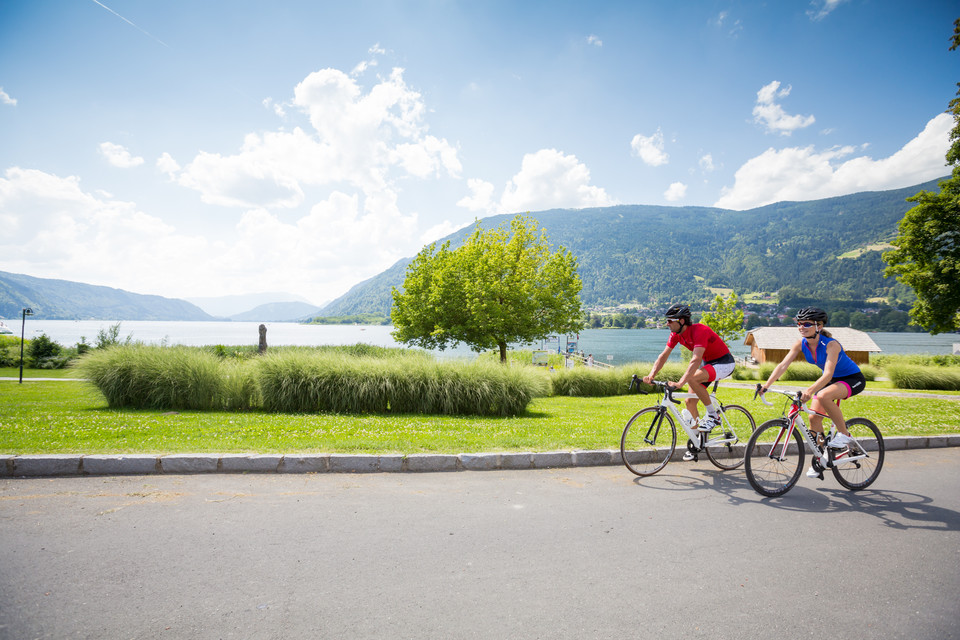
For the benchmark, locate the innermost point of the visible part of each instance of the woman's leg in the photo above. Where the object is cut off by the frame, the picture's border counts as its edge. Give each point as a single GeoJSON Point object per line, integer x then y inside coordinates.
{"type": "Point", "coordinates": [826, 402]}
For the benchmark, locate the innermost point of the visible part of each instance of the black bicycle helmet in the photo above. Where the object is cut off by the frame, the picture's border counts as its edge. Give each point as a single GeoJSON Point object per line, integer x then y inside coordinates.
{"type": "Point", "coordinates": [812, 314]}
{"type": "Point", "coordinates": [678, 311]}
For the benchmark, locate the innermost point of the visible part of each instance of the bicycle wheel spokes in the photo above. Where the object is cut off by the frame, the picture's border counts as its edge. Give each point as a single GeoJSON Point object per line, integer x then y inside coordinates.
{"type": "Point", "coordinates": [857, 466]}
{"type": "Point", "coordinates": [728, 442]}
{"type": "Point", "coordinates": [648, 441]}
{"type": "Point", "coordinates": [774, 458]}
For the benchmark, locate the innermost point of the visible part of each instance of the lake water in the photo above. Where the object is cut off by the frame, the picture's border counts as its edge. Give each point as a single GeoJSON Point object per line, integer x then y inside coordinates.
{"type": "Point", "coordinates": [615, 346]}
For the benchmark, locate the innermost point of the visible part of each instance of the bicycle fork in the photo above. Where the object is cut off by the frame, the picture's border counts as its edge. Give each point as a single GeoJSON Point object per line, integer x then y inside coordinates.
{"type": "Point", "coordinates": [650, 437]}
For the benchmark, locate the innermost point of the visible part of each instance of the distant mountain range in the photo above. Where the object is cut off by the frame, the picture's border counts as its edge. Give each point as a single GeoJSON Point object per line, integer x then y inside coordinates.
{"type": "Point", "coordinates": [65, 300]}
{"type": "Point", "coordinates": [629, 254]}
{"type": "Point", "coordinates": [242, 304]}
{"type": "Point", "coordinates": [277, 312]}
{"type": "Point", "coordinates": [653, 255]}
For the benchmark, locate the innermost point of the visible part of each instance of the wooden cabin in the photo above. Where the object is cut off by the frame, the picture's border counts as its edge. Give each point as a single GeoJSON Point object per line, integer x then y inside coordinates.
{"type": "Point", "coordinates": [771, 344]}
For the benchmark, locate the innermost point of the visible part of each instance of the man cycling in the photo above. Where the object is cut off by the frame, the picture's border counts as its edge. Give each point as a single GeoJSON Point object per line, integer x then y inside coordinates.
{"type": "Point", "coordinates": [711, 361]}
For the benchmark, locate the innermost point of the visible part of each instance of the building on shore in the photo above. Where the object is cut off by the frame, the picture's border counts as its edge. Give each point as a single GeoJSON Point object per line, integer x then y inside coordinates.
{"type": "Point", "coordinates": [771, 344]}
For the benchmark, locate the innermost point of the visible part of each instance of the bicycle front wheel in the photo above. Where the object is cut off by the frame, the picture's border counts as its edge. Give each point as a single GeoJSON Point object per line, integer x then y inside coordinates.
{"type": "Point", "coordinates": [727, 445]}
{"type": "Point", "coordinates": [648, 441]}
{"type": "Point", "coordinates": [773, 464]}
{"type": "Point", "coordinates": [865, 457]}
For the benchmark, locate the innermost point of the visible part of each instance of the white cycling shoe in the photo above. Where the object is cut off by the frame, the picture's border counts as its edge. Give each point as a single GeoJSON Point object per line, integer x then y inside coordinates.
{"type": "Point", "coordinates": [839, 441]}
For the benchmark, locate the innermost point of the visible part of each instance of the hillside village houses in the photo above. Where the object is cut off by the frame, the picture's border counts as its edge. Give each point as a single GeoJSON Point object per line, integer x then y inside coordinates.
{"type": "Point", "coordinates": [771, 344]}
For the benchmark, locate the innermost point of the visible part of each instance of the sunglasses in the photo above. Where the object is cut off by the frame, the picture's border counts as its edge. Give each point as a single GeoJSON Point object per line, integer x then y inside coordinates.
{"type": "Point", "coordinates": [806, 325]}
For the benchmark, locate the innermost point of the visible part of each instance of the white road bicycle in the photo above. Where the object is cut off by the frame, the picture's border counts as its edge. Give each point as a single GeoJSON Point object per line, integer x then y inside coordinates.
{"type": "Point", "coordinates": [650, 437]}
{"type": "Point", "coordinates": [775, 452]}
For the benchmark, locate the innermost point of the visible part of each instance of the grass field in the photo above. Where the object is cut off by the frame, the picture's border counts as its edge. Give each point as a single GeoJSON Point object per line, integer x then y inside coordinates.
{"type": "Point", "coordinates": [72, 417]}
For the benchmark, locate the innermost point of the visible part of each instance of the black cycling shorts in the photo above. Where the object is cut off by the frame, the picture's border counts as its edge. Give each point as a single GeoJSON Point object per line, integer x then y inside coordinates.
{"type": "Point", "coordinates": [855, 383]}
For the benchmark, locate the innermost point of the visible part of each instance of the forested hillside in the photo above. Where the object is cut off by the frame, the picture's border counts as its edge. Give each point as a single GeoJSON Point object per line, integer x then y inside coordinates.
{"type": "Point", "coordinates": [65, 300]}
{"type": "Point", "coordinates": [650, 255]}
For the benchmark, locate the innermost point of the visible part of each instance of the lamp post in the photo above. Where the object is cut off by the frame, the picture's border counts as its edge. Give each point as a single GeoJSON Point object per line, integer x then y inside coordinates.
{"type": "Point", "coordinates": [23, 324]}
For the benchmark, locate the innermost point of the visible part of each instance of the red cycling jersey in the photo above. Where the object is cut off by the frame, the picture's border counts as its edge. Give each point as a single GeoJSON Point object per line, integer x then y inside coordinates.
{"type": "Point", "coordinates": [700, 335]}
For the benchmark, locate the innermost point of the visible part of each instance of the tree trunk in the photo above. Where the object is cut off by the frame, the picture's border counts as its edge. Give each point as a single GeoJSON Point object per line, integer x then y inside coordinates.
{"type": "Point", "coordinates": [503, 352]}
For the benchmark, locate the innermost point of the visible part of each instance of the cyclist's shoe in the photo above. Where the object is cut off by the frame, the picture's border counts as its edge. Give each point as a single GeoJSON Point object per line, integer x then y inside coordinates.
{"type": "Point", "coordinates": [813, 473]}
{"type": "Point", "coordinates": [708, 423]}
{"type": "Point", "coordinates": [688, 456]}
{"type": "Point", "coordinates": [839, 441]}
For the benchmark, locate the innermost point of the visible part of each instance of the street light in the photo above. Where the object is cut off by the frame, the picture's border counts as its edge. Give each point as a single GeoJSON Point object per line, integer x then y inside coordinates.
{"type": "Point", "coordinates": [23, 324]}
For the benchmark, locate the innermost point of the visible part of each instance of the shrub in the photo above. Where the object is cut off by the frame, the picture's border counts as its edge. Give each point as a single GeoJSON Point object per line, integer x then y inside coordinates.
{"type": "Point", "coordinates": [300, 381]}
{"type": "Point", "coordinates": [601, 382]}
{"type": "Point", "coordinates": [591, 382]}
{"type": "Point", "coordinates": [918, 359]}
{"type": "Point", "coordinates": [797, 371]}
{"type": "Point", "coordinates": [914, 377]}
{"type": "Point", "coordinates": [869, 372]}
{"type": "Point", "coordinates": [151, 377]}
{"type": "Point", "coordinates": [745, 373]}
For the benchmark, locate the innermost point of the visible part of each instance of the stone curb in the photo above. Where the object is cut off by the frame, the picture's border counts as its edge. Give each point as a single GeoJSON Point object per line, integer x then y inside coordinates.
{"type": "Point", "coordinates": [55, 465]}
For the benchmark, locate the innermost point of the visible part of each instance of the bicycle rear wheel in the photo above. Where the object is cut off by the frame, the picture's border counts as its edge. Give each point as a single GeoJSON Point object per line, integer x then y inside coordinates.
{"type": "Point", "coordinates": [730, 439]}
{"type": "Point", "coordinates": [773, 465]}
{"type": "Point", "coordinates": [648, 441]}
{"type": "Point", "coordinates": [859, 474]}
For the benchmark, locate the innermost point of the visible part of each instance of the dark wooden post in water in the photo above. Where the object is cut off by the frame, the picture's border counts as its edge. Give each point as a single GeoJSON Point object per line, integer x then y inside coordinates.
{"type": "Point", "coordinates": [263, 338]}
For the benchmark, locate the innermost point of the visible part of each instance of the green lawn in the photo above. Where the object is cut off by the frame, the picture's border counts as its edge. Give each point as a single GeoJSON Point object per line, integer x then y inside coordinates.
{"type": "Point", "coordinates": [14, 372]}
{"type": "Point", "coordinates": [72, 417]}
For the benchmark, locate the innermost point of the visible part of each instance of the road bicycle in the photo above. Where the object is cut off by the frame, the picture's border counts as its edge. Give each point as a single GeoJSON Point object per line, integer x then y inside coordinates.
{"type": "Point", "coordinates": [650, 437]}
{"type": "Point", "coordinates": [775, 452]}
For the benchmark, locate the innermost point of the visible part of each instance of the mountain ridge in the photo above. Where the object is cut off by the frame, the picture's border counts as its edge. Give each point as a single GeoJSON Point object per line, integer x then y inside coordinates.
{"type": "Point", "coordinates": [653, 254]}
{"type": "Point", "coordinates": [627, 254]}
{"type": "Point", "coordinates": [56, 299]}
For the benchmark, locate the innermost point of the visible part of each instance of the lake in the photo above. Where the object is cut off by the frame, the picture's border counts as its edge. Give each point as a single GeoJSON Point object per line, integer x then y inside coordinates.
{"type": "Point", "coordinates": [615, 346]}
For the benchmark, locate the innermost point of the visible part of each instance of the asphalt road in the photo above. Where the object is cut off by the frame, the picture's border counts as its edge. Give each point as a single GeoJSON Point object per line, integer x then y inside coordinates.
{"type": "Point", "coordinates": [569, 553]}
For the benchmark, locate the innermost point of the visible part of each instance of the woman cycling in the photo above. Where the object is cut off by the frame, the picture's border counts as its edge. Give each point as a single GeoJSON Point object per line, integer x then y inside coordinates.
{"type": "Point", "coordinates": [841, 377]}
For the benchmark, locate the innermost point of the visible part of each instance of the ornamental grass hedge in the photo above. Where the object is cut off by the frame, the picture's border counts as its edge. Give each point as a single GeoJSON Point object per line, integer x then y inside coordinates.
{"type": "Point", "coordinates": [299, 380]}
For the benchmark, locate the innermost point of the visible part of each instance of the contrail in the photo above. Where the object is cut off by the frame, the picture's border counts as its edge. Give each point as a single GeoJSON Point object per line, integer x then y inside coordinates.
{"type": "Point", "coordinates": [130, 23]}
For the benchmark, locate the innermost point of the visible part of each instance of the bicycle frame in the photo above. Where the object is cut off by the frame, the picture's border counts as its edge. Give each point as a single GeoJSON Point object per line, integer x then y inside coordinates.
{"type": "Point", "coordinates": [671, 397]}
{"type": "Point", "coordinates": [825, 459]}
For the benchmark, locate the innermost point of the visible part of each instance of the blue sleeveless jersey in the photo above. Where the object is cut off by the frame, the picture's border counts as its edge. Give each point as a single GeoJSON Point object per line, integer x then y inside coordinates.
{"type": "Point", "coordinates": [845, 366]}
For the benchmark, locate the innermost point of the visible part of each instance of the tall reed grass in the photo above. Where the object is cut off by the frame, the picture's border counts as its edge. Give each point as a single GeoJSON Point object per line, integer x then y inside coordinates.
{"type": "Point", "coordinates": [154, 377]}
{"type": "Point", "coordinates": [917, 377]}
{"type": "Point", "coordinates": [299, 380]}
{"type": "Point", "coordinates": [600, 382]}
{"type": "Point", "coordinates": [304, 382]}
{"type": "Point", "coordinates": [806, 372]}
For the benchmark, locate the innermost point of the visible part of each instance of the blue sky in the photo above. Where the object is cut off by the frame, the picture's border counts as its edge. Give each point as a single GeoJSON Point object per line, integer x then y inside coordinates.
{"type": "Point", "coordinates": [198, 149]}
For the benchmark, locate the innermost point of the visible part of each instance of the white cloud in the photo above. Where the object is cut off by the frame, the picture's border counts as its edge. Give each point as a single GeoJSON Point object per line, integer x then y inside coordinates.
{"type": "Point", "coordinates": [706, 163]}
{"type": "Point", "coordinates": [6, 99]}
{"type": "Point", "coordinates": [770, 114]}
{"type": "Point", "coordinates": [166, 164]}
{"type": "Point", "coordinates": [676, 191]}
{"type": "Point", "coordinates": [733, 28]}
{"type": "Point", "coordinates": [594, 40]}
{"type": "Point", "coordinates": [802, 173]}
{"type": "Point", "coordinates": [552, 179]}
{"type": "Point", "coordinates": [820, 9]}
{"type": "Point", "coordinates": [480, 198]}
{"type": "Point", "coordinates": [547, 179]}
{"type": "Point", "coordinates": [360, 141]}
{"type": "Point", "coordinates": [118, 156]}
{"type": "Point", "coordinates": [53, 227]}
{"type": "Point", "coordinates": [60, 229]}
{"type": "Point", "coordinates": [650, 149]}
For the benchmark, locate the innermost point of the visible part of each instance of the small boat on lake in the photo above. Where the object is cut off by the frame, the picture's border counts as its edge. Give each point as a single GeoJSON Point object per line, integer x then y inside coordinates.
{"type": "Point", "coordinates": [4, 329]}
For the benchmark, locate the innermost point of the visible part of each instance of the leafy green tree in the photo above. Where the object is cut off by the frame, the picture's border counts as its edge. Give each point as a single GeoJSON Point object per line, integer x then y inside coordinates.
{"type": "Point", "coordinates": [501, 286]}
{"type": "Point", "coordinates": [725, 317]}
{"type": "Point", "coordinates": [927, 253]}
